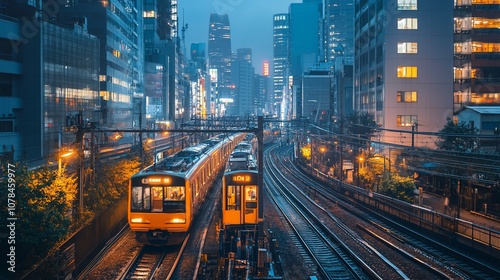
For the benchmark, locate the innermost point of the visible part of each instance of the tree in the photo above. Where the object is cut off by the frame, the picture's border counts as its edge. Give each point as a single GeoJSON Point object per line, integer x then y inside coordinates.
{"type": "Point", "coordinates": [398, 187]}
{"type": "Point", "coordinates": [43, 203]}
{"type": "Point", "coordinates": [111, 184]}
{"type": "Point", "coordinates": [457, 137]}
{"type": "Point", "coordinates": [305, 151]}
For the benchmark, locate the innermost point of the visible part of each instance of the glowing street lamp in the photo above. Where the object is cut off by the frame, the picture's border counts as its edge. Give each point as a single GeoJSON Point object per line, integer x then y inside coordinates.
{"type": "Point", "coordinates": [63, 154]}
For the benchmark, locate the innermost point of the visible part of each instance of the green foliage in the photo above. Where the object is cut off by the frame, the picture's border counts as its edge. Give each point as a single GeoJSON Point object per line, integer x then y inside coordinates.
{"type": "Point", "coordinates": [111, 184]}
{"type": "Point", "coordinates": [374, 168]}
{"type": "Point", "coordinates": [451, 139]}
{"type": "Point", "coordinates": [398, 187]}
{"type": "Point", "coordinates": [362, 124]}
{"type": "Point", "coordinates": [43, 203]}
{"type": "Point", "coordinates": [305, 151]}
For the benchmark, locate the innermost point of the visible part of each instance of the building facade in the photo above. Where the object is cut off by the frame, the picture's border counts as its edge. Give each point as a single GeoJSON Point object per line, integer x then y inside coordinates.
{"type": "Point", "coordinates": [317, 93]}
{"type": "Point", "coordinates": [477, 53]}
{"type": "Point", "coordinates": [306, 41]}
{"type": "Point", "coordinates": [403, 66]}
{"type": "Point", "coordinates": [339, 29]}
{"type": "Point", "coordinates": [44, 78]}
{"type": "Point", "coordinates": [281, 41]}
{"type": "Point", "coordinates": [116, 24]}
{"type": "Point", "coordinates": [242, 77]}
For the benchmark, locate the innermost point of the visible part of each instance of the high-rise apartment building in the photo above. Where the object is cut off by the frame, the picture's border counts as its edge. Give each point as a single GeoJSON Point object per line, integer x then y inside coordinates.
{"type": "Point", "coordinates": [477, 53]}
{"type": "Point", "coordinates": [403, 69]}
{"type": "Point", "coordinates": [281, 41]}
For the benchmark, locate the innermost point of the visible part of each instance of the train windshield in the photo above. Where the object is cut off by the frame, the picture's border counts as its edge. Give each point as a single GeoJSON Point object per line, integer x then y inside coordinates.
{"type": "Point", "coordinates": [169, 199]}
{"type": "Point", "coordinates": [233, 201]}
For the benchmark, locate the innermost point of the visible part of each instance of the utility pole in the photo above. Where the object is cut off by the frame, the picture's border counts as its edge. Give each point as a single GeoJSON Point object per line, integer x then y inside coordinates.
{"type": "Point", "coordinates": [260, 163]}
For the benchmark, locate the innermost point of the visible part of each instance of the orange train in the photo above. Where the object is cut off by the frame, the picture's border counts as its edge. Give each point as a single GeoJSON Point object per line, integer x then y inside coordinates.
{"type": "Point", "coordinates": [165, 197]}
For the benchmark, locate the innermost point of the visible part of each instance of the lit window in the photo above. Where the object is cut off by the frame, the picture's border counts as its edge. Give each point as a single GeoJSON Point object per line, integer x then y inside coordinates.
{"type": "Point", "coordinates": [149, 14]}
{"type": "Point", "coordinates": [407, 23]}
{"type": "Point", "coordinates": [407, 47]}
{"type": "Point", "coordinates": [407, 71]}
{"type": "Point", "coordinates": [407, 5]}
{"type": "Point", "coordinates": [485, 47]}
{"type": "Point", "coordinates": [406, 120]}
{"type": "Point", "coordinates": [407, 96]}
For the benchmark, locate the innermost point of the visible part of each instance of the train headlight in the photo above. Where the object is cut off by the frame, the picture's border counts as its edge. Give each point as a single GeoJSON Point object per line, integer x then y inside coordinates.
{"type": "Point", "coordinates": [176, 221]}
{"type": "Point", "coordinates": [139, 221]}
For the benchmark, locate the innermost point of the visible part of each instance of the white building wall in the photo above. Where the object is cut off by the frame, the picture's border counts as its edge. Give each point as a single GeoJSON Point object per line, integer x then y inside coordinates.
{"type": "Point", "coordinates": [434, 61]}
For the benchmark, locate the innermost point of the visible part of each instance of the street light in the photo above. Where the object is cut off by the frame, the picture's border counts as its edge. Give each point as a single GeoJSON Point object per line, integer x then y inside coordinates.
{"type": "Point", "coordinates": [62, 154]}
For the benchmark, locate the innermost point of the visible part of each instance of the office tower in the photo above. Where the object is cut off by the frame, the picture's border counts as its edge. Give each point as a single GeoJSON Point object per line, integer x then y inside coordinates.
{"type": "Point", "coordinates": [477, 54]}
{"type": "Point", "coordinates": [201, 100]}
{"type": "Point", "coordinates": [317, 89]}
{"type": "Point", "coordinates": [339, 29]}
{"type": "Point", "coordinates": [219, 48]}
{"type": "Point", "coordinates": [242, 77]}
{"type": "Point", "coordinates": [306, 42]}
{"type": "Point", "coordinates": [121, 57]}
{"type": "Point", "coordinates": [45, 76]}
{"type": "Point", "coordinates": [281, 41]}
{"type": "Point", "coordinates": [263, 95]}
{"type": "Point", "coordinates": [156, 33]}
{"type": "Point", "coordinates": [404, 66]}
{"type": "Point", "coordinates": [219, 62]}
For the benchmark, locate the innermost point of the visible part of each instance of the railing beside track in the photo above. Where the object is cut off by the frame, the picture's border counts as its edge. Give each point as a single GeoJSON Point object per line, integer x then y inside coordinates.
{"type": "Point", "coordinates": [482, 238]}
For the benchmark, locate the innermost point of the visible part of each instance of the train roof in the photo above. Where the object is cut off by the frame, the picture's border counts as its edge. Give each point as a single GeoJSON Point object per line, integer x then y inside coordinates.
{"type": "Point", "coordinates": [242, 161]}
{"type": "Point", "coordinates": [184, 160]}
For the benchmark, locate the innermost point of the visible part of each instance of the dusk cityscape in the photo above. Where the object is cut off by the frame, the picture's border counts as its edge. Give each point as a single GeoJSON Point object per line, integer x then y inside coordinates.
{"type": "Point", "coordinates": [232, 139]}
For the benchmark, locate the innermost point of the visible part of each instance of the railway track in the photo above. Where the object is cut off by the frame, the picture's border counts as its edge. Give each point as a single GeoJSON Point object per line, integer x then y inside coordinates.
{"type": "Point", "coordinates": [145, 263]}
{"type": "Point", "coordinates": [433, 255]}
{"type": "Point", "coordinates": [332, 257]}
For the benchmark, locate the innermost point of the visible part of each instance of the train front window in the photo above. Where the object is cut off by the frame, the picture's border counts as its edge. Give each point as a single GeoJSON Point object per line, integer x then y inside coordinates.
{"type": "Point", "coordinates": [141, 198]}
{"type": "Point", "coordinates": [233, 197]}
{"type": "Point", "coordinates": [175, 193]}
{"type": "Point", "coordinates": [251, 197]}
{"type": "Point", "coordinates": [175, 199]}
{"type": "Point", "coordinates": [168, 199]}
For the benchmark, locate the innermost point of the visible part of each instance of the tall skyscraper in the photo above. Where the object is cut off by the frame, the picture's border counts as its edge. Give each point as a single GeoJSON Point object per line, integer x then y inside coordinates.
{"type": "Point", "coordinates": [404, 66]}
{"type": "Point", "coordinates": [281, 41]}
{"type": "Point", "coordinates": [242, 77]}
{"type": "Point", "coordinates": [339, 27]}
{"type": "Point", "coordinates": [477, 54]}
{"type": "Point", "coordinates": [219, 48]}
{"type": "Point", "coordinates": [306, 41]}
{"type": "Point", "coordinates": [219, 62]}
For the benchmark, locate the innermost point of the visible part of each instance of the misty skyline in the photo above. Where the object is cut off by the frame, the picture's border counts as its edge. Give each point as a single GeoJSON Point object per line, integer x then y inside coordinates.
{"type": "Point", "coordinates": [251, 24]}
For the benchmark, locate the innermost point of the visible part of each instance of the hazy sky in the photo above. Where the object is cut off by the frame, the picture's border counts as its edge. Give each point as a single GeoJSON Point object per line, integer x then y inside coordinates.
{"type": "Point", "coordinates": [251, 23]}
